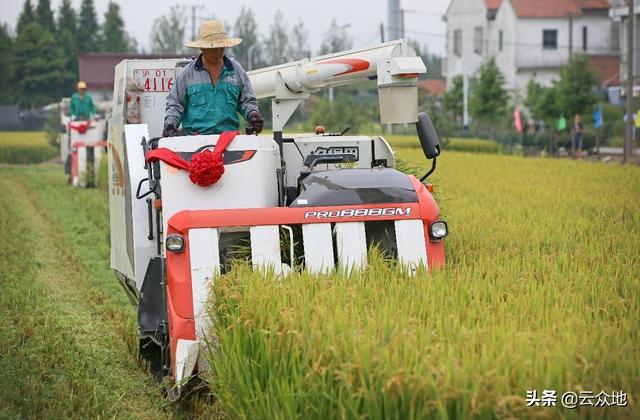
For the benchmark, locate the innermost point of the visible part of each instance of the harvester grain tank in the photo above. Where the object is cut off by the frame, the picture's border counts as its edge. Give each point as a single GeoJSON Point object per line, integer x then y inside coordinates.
{"type": "Point", "coordinates": [335, 194]}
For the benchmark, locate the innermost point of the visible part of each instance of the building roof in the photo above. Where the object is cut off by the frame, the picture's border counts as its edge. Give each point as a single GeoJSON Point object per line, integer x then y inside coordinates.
{"type": "Point", "coordinates": [607, 67]}
{"type": "Point", "coordinates": [98, 70]}
{"type": "Point", "coordinates": [555, 8]}
{"type": "Point", "coordinates": [595, 4]}
{"type": "Point", "coordinates": [435, 87]}
{"type": "Point", "coordinates": [493, 4]}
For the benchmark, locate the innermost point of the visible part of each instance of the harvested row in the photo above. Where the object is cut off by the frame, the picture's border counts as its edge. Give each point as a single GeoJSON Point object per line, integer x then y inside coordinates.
{"type": "Point", "coordinates": [68, 342]}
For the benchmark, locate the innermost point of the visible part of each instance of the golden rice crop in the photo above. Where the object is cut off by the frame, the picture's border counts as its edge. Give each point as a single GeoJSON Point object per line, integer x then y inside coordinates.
{"type": "Point", "coordinates": [25, 147]}
{"type": "Point", "coordinates": [452, 144]}
{"type": "Point", "coordinates": [540, 291]}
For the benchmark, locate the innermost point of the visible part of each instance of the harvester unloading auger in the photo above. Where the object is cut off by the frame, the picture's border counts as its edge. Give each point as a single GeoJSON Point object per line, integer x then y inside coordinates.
{"type": "Point", "coordinates": [335, 194]}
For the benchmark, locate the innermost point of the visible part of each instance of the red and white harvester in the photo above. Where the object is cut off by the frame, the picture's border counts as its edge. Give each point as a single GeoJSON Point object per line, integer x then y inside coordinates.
{"type": "Point", "coordinates": [81, 147]}
{"type": "Point", "coordinates": [334, 195]}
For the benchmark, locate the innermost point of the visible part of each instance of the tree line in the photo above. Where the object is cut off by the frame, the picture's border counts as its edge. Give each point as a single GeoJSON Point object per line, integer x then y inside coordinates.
{"type": "Point", "coordinates": [39, 61]}
{"type": "Point", "coordinates": [282, 43]}
{"type": "Point", "coordinates": [571, 94]}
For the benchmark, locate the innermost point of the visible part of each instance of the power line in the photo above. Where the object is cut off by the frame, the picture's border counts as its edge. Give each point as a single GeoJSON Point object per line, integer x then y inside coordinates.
{"type": "Point", "coordinates": [497, 42]}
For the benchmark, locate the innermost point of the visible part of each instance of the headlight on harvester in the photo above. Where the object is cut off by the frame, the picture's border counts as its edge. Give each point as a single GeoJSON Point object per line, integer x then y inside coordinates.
{"type": "Point", "coordinates": [438, 230]}
{"type": "Point", "coordinates": [175, 243]}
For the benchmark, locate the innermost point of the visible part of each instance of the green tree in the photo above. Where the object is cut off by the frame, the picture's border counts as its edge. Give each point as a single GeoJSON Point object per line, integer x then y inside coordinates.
{"type": "Point", "coordinates": [167, 33]}
{"type": "Point", "coordinates": [453, 99]}
{"type": "Point", "coordinates": [542, 103]}
{"type": "Point", "coordinates": [488, 103]}
{"type": "Point", "coordinates": [336, 39]}
{"type": "Point", "coordinates": [87, 35]}
{"type": "Point", "coordinates": [345, 111]}
{"type": "Point", "coordinates": [67, 27]}
{"type": "Point", "coordinates": [44, 15]}
{"type": "Point", "coordinates": [6, 66]}
{"type": "Point", "coordinates": [26, 17]}
{"type": "Point", "coordinates": [67, 18]}
{"type": "Point", "coordinates": [298, 48]}
{"type": "Point", "coordinates": [114, 36]}
{"type": "Point", "coordinates": [42, 77]}
{"type": "Point", "coordinates": [278, 43]}
{"type": "Point", "coordinates": [246, 28]}
{"type": "Point", "coordinates": [71, 58]}
{"type": "Point", "coordinates": [575, 87]}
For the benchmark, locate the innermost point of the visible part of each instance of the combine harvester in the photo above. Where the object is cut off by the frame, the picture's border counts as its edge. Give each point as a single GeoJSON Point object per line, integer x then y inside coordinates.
{"type": "Point", "coordinates": [331, 194]}
{"type": "Point", "coordinates": [81, 147]}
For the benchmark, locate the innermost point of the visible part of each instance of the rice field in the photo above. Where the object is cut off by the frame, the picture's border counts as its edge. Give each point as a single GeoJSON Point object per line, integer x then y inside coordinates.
{"type": "Point", "coordinates": [25, 147]}
{"type": "Point", "coordinates": [540, 292]}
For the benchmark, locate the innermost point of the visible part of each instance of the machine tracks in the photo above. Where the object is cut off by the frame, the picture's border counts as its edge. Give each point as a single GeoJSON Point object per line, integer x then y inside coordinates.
{"type": "Point", "coordinates": [68, 346]}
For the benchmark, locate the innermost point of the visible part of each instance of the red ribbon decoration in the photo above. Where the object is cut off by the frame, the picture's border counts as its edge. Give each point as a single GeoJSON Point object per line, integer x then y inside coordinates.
{"type": "Point", "coordinates": [205, 168]}
{"type": "Point", "coordinates": [80, 126]}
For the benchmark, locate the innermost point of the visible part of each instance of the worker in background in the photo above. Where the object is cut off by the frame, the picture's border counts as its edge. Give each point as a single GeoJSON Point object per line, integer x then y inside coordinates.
{"type": "Point", "coordinates": [210, 92]}
{"type": "Point", "coordinates": [578, 128]}
{"type": "Point", "coordinates": [82, 107]}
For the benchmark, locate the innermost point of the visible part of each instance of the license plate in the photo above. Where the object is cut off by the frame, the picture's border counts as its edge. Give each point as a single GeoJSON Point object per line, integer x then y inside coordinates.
{"type": "Point", "coordinates": [155, 80]}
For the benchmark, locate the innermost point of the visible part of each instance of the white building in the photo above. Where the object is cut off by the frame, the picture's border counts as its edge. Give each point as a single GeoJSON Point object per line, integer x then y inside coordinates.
{"type": "Point", "coordinates": [529, 39]}
{"type": "Point", "coordinates": [620, 14]}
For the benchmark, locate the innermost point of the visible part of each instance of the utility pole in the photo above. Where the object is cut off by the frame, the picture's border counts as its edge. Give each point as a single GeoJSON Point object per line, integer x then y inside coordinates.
{"type": "Point", "coordinates": [194, 19]}
{"type": "Point", "coordinates": [628, 138]}
{"type": "Point", "coordinates": [570, 35]}
{"type": "Point", "coordinates": [382, 32]}
{"type": "Point", "coordinates": [193, 22]}
{"type": "Point", "coordinates": [393, 16]}
{"type": "Point", "coordinates": [402, 23]}
{"type": "Point", "coordinates": [465, 74]}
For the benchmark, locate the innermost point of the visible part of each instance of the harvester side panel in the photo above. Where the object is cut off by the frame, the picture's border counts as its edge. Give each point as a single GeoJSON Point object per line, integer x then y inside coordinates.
{"type": "Point", "coordinates": [131, 247]}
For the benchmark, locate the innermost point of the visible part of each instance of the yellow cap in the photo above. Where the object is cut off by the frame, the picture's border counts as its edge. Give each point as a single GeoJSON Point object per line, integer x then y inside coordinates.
{"type": "Point", "coordinates": [82, 85]}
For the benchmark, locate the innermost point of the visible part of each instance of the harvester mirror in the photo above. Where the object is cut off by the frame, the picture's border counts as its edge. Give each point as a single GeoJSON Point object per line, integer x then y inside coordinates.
{"type": "Point", "coordinates": [428, 136]}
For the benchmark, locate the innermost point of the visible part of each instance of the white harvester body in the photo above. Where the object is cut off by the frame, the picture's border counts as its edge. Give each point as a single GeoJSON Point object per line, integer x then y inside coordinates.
{"type": "Point", "coordinates": [335, 195]}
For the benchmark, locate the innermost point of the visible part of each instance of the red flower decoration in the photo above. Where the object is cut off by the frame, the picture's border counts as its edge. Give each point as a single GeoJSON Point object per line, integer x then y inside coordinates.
{"type": "Point", "coordinates": [81, 127]}
{"type": "Point", "coordinates": [206, 168]}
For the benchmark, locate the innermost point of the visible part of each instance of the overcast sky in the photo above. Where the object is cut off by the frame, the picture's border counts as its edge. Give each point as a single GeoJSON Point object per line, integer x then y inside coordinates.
{"type": "Point", "coordinates": [423, 19]}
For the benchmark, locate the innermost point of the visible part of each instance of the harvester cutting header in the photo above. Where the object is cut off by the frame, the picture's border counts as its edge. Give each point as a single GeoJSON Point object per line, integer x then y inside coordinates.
{"type": "Point", "coordinates": [315, 202]}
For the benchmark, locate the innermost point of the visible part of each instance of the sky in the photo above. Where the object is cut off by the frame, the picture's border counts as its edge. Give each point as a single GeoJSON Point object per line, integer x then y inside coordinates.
{"type": "Point", "coordinates": [423, 19]}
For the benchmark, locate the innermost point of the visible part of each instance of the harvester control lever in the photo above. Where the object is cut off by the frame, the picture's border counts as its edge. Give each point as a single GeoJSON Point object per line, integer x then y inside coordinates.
{"type": "Point", "coordinates": [150, 216]}
{"type": "Point", "coordinates": [312, 160]}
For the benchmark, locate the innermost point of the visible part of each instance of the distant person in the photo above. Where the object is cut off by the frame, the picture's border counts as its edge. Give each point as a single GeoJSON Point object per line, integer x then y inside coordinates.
{"type": "Point", "coordinates": [578, 129]}
{"type": "Point", "coordinates": [82, 107]}
{"type": "Point", "coordinates": [210, 92]}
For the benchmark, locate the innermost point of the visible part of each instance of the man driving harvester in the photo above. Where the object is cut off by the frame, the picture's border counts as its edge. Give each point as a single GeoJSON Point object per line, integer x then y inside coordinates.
{"type": "Point", "coordinates": [210, 92]}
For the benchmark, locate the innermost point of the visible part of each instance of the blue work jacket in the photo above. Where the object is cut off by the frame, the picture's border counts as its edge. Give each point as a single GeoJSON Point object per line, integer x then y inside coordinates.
{"type": "Point", "coordinates": [205, 108]}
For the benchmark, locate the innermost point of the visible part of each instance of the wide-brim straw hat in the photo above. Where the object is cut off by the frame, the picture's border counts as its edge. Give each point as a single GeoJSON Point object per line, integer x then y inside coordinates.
{"type": "Point", "coordinates": [213, 35]}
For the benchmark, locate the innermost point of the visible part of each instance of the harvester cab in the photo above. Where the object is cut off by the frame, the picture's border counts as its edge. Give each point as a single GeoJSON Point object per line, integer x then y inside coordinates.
{"type": "Point", "coordinates": [82, 145]}
{"type": "Point", "coordinates": [325, 199]}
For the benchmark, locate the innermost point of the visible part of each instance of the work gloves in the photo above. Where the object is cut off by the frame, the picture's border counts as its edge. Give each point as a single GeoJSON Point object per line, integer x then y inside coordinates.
{"type": "Point", "coordinates": [170, 130]}
{"type": "Point", "coordinates": [256, 121]}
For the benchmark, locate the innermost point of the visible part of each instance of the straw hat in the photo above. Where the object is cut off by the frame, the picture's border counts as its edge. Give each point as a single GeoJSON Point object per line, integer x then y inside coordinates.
{"type": "Point", "coordinates": [213, 35]}
{"type": "Point", "coordinates": [82, 85]}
